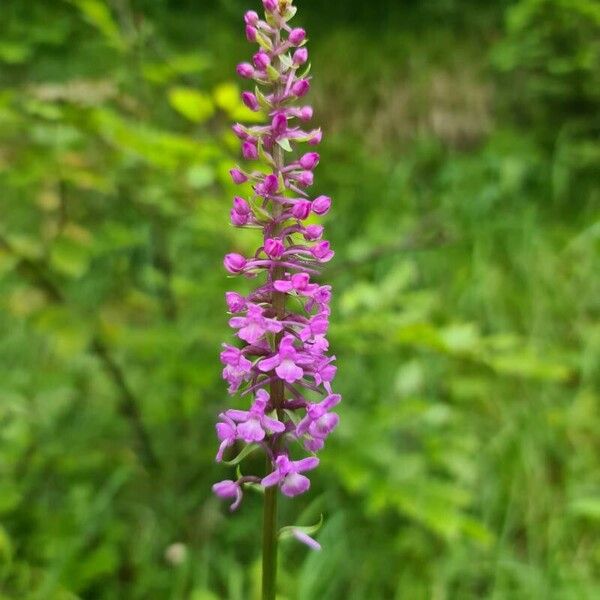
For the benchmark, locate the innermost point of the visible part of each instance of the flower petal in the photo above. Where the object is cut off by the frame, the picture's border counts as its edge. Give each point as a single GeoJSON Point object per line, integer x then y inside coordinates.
{"type": "Point", "coordinates": [273, 425]}
{"type": "Point", "coordinates": [268, 364]}
{"type": "Point", "coordinates": [237, 415]}
{"type": "Point", "coordinates": [289, 371]}
{"type": "Point", "coordinates": [295, 484]}
{"type": "Point", "coordinates": [306, 539]}
{"type": "Point", "coordinates": [270, 480]}
{"type": "Point", "coordinates": [251, 431]}
{"type": "Point", "coordinates": [306, 464]}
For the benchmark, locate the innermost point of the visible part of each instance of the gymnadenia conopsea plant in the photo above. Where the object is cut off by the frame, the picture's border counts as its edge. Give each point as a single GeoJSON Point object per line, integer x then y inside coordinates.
{"type": "Point", "coordinates": [280, 367]}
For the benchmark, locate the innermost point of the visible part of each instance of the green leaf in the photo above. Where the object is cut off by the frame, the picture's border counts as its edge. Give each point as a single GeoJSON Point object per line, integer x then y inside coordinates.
{"type": "Point", "coordinates": [285, 144]}
{"type": "Point", "coordinates": [98, 15]}
{"type": "Point", "coordinates": [287, 532]}
{"type": "Point", "coordinates": [192, 104]}
{"type": "Point", "coordinates": [242, 455]}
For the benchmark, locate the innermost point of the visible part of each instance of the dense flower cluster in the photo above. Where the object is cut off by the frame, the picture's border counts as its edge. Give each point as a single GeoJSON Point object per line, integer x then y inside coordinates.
{"type": "Point", "coordinates": [282, 364]}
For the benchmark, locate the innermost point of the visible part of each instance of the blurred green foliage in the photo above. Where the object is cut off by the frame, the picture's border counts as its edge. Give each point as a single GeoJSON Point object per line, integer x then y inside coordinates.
{"type": "Point", "coordinates": [463, 156]}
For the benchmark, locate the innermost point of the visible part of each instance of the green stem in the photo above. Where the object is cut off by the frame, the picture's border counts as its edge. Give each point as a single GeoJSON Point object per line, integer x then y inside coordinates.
{"type": "Point", "coordinates": [269, 573]}
{"type": "Point", "coordinates": [277, 393]}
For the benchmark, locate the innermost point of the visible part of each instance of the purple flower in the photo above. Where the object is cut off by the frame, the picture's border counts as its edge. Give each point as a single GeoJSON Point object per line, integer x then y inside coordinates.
{"type": "Point", "coordinates": [254, 424]}
{"type": "Point", "coordinates": [268, 187]}
{"type": "Point", "coordinates": [251, 17]}
{"type": "Point", "coordinates": [254, 325]}
{"type": "Point", "coordinates": [274, 248]}
{"type": "Point", "coordinates": [310, 160]}
{"type": "Point", "coordinates": [250, 100]}
{"type": "Point", "coordinates": [305, 178]}
{"type": "Point", "coordinates": [227, 434]}
{"type": "Point", "coordinates": [238, 176]}
{"type": "Point", "coordinates": [301, 87]}
{"type": "Point", "coordinates": [249, 151]}
{"type": "Point", "coordinates": [237, 367]}
{"type": "Point", "coordinates": [287, 475]}
{"type": "Point", "coordinates": [279, 124]}
{"type": "Point", "coordinates": [283, 361]}
{"type": "Point", "coordinates": [319, 422]}
{"type": "Point", "coordinates": [245, 70]}
{"type": "Point", "coordinates": [321, 205]}
{"type": "Point", "coordinates": [261, 60]}
{"type": "Point", "coordinates": [306, 113]}
{"type": "Point", "coordinates": [301, 209]}
{"type": "Point", "coordinates": [297, 36]}
{"type": "Point", "coordinates": [250, 33]}
{"type": "Point", "coordinates": [235, 302]}
{"type": "Point", "coordinates": [300, 56]}
{"type": "Point", "coordinates": [229, 489]}
{"type": "Point", "coordinates": [322, 251]}
{"type": "Point", "coordinates": [235, 263]}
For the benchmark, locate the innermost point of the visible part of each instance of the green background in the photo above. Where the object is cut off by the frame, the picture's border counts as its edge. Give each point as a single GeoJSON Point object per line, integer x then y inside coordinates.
{"type": "Point", "coordinates": [462, 154]}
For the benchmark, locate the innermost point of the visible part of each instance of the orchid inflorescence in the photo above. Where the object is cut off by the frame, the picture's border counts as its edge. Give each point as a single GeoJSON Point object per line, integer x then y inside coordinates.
{"type": "Point", "coordinates": [283, 365]}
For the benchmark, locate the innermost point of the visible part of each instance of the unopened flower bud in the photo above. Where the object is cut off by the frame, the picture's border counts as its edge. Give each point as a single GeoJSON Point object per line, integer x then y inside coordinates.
{"type": "Point", "coordinates": [245, 70]}
{"type": "Point", "coordinates": [241, 206]}
{"type": "Point", "coordinates": [251, 18]}
{"type": "Point", "coordinates": [322, 251]}
{"type": "Point", "coordinates": [279, 124]}
{"type": "Point", "coordinates": [274, 248]}
{"type": "Point", "coordinates": [239, 131]}
{"type": "Point", "coordinates": [315, 138]}
{"type": "Point", "coordinates": [300, 56]}
{"type": "Point", "coordinates": [301, 87]}
{"type": "Point", "coordinates": [234, 263]}
{"type": "Point", "coordinates": [235, 302]}
{"type": "Point", "coordinates": [306, 113]}
{"type": "Point", "coordinates": [261, 60]}
{"type": "Point", "coordinates": [305, 178]}
{"type": "Point", "coordinates": [251, 101]}
{"type": "Point", "coordinates": [238, 219]}
{"type": "Point", "coordinates": [310, 160]}
{"type": "Point", "coordinates": [249, 151]}
{"type": "Point", "coordinates": [270, 5]}
{"type": "Point", "coordinates": [321, 205]}
{"type": "Point", "coordinates": [250, 33]}
{"type": "Point", "coordinates": [313, 232]}
{"type": "Point", "coordinates": [238, 176]}
{"type": "Point", "coordinates": [301, 209]}
{"type": "Point", "coordinates": [297, 36]}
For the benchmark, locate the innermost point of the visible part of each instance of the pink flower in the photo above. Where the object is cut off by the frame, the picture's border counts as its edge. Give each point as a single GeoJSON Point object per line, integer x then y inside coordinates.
{"type": "Point", "coordinates": [245, 70]}
{"type": "Point", "coordinates": [321, 205]}
{"type": "Point", "coordinates": [235, 302]}
{"type": "Point", "coordinates": [250, 100]}
{"type": "Point", "coordinates": [297, 36]}
{"type": "Point", "coordinates": [301, 88]}
{"type": "Point", "coordinates": [287, 475]}
{"type": "Point", "coordinates": [285, 362]}
{"type": "Point", "coordinates": [229, 489]}
{"type": "Point", "coordinates": [254, 424]}
{"type": "Point", "coordinates": [309, 160]}
{"type": "Point", "coordinates": [254, 325]}
{"type": "Point", "coordinates": [274, 248]}
{"type": "Point", "coordinates": [227, 434]}
{"type": "Point", "coordinates": [238, 176]}
{"type": "Point", "coordinates": [300, 56]}
{"type": "Point", "coordinates": [234, 263]}
{"type": "Point", "coordinates": [301, 209]}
